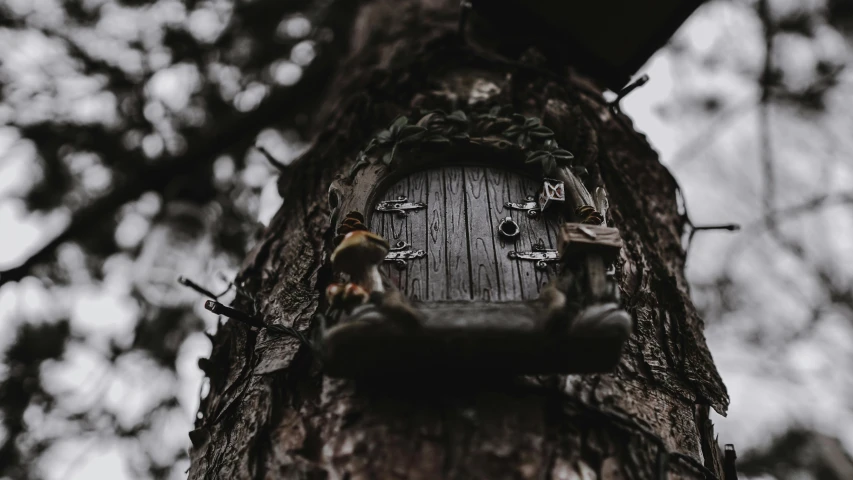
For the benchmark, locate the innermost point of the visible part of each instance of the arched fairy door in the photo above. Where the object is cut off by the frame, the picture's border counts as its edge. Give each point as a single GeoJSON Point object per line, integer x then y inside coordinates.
{"type": "Point", "coordinates": [469, 243]}
{"type": "Point", "coordinates": [465, 259]}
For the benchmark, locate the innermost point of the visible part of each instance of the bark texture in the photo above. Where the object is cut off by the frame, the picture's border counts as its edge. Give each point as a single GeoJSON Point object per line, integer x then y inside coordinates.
{"type": "Point", "coordinates": [271, 414]}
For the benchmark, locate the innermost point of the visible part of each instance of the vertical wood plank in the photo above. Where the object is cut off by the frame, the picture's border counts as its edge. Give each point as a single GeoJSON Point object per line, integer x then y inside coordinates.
{"type": "Point", "coordinates": [532, 229]}
{"type": "Point", "coordinates": [394, 228]}
{"type": "Point", "coordinates": [416, 287]}
{"type": "Point", "coordinates": [540, 231]}
{"type": "Point", "coordinates": [485, 281]}
{"type": "Point", "coordinates": [458, 256]}
{"type": "Point", "coordinates": [499, 191]}
{"type": "Point", "coordinates": [552, 226]}
{"type": "Point", "coordinates": [436, 261]}
{"type": "Point", "coordinates": [465, 258]}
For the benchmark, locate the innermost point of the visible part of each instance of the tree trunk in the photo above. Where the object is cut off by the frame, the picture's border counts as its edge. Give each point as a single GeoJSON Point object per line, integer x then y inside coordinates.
{"type": "Point", "coordinates": [270, 413]}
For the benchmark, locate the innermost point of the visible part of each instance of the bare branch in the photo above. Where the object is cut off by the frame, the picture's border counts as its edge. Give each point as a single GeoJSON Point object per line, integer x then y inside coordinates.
{"type": "Point", "coordinates": [278, 164]}
{"type": "Point", "coordinates": [222, 136]}
{"type": "Point", "coordinates": [693, 147]}
{"type": "Point", "coordinates": [157, 176]}
{"type": "Point", "coordinates": [767, 167]}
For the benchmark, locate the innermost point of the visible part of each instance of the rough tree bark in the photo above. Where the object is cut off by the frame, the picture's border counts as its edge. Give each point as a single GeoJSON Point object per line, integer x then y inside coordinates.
{"type": "Point", "coordinates": [270, 413]}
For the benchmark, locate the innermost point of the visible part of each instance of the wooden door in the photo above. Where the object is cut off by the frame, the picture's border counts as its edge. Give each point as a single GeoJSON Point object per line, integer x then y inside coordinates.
{"type": "Point", "coordinates": [466, 260]}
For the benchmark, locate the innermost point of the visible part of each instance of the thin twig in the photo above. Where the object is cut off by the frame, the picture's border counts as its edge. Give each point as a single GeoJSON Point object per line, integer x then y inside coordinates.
{"type": "Point", "coordinates": [807, 206]}
{"type": "Point", "coordinates": [731, 227]}
{"type": "Point", "coordinates": [278, 164]}
{"type": "Point", "coordinates": [726, 226]}
{"type": "Point", "coordinates": [627, 89]}
{"type": "Point", "coordinates": [767, 166]}
{"type": "Point", "coordinates": [159, 175]}
{"type": "Point", "coordinates": [251, 320]}
{"type": "Point", "coordinates": [198, 288]}
{"type": "Point", "coordinates": [230, 312]}
{"type": "Point", "coordinates": [692, 148]}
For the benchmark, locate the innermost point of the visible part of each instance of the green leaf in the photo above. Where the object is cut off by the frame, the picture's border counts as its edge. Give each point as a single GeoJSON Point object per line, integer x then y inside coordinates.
{"type": "Point", "coordinates": [563, 154]}
{"type": "Point", "coordinates": [458, 116]}
{"type": "Point", "coordinates": [400, 121]}
{"type": "Point", "coordinates": [541, 132]}
{"type": "Point", "coordinates": [500, 122]}
{"type": "Point", "coordinates": [425, 120]}
{"type": "Point", "coordinates": [410, 130]}
{"type": "Point", "coordinates": [388, 157]}
{"type": "Point", "coordinates": [411, 138]}
{"type": "Point", "coordinates": [512, 131]}
{"type": "Point", "coordinates": [384, 137]}
{"type": "Point", "coordinates": [537, 156]}
{"type": "Point", "coordinates": [437, 139]}
{"type": "Point", "coordinates": [531, 122]}
{"type": "Point", "coordinates": [517, 118]}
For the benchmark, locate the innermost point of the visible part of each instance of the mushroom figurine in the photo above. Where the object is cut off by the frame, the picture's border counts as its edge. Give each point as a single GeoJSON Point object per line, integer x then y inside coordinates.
{"type": "Point", "coordinates": [346, 296]}
{"type": "Point", "coordinates": [358, 255]}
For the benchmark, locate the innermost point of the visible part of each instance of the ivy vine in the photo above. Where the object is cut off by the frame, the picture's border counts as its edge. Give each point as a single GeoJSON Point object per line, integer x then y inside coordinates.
{"type": "Point", "coordinates": [442, 127]}
{"type": "Point", "coordinates": [400, 133]}
{"type": "Point", "coordinates": [550, 156]}
{"type": "Point", "coordinates": [497, 128]}
{"type": "Point", "coordinates": [526, 130]}
{"type": "Point", "coordinates": [495, 120]}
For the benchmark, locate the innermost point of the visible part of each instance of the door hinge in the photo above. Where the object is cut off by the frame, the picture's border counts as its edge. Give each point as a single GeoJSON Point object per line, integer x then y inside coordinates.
{"type": "Point", "coordinates": [400, 206]}
{"type": "Point", "coordinates": [401, 253]}
{"type": "Point", "coordinates": [540, 254]}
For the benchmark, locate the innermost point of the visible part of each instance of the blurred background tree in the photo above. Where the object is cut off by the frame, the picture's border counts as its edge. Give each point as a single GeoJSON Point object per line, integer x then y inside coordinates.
{"type": "Point", "coordinates": [127, 158]}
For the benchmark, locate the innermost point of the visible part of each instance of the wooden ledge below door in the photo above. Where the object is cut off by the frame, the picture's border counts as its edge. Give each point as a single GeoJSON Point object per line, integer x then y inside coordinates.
{"type": "Point", "coordinates": [489, 338]}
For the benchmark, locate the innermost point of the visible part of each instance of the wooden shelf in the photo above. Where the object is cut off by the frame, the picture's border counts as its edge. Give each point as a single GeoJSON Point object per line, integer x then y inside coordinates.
{"type": "Point", "coordinates": [496, 338]}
